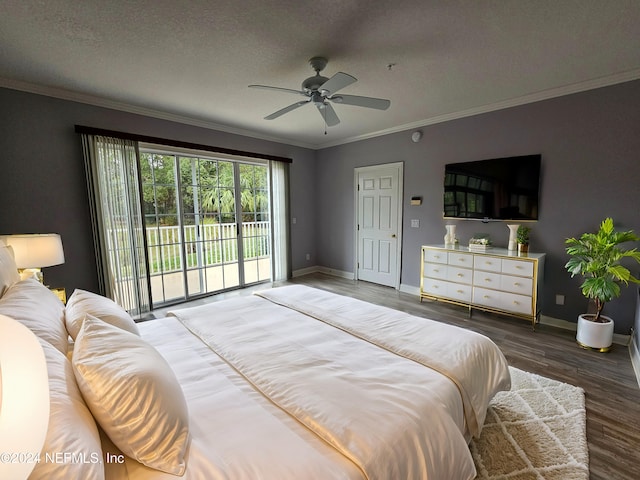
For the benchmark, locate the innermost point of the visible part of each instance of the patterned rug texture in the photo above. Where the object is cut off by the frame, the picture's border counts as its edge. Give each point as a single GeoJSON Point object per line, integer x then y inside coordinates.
{"type": "Point", "coordinates": [535, 431]}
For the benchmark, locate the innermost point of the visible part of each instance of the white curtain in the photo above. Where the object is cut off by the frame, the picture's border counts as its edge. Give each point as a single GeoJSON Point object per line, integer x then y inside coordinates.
{"type": "Point", "coordinates": [281, 255]}
{"type": "Point", "coordinates": [114, 188]}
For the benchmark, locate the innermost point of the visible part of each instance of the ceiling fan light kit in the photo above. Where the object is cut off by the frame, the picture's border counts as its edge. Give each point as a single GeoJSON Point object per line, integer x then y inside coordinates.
{"type": "Point", "coordinates": [321, 90]}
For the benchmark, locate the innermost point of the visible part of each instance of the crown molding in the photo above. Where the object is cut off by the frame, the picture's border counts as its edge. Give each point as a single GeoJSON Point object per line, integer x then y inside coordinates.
{"type": "Point", "coordinates": [65, 94]}
{"type": "Point", "coordinates": [491, 107]}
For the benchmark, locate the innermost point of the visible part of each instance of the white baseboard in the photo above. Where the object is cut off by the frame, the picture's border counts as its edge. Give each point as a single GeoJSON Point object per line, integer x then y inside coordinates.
{"type": "Point", "coordinates": [635, 357]}
{"type": "Point", "coordinates": [325, 270]}
{"type": "Point", "coordinates": [304, 271]}
{"type": "Point", "coordinates": [336, 273]}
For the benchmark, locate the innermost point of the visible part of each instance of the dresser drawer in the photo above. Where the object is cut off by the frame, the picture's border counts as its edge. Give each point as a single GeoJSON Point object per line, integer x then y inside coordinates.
{"type": "Point", "coordinates": [434, 287]}
{"type": "Point", "coordinates": [487, 264]}
{"type": "Point", "coordinates": [517, 303]}
{"type": "Point", "coordinates": [517, 267]}
{"type": "Point", "coordinates": [461, 259]}
{"type": "Point", "coordinates": [460, 275]}
{"type": "Point", "coordinates": [459, 292]}
{"type": "Point", "coordinates": [435, 270]}
{"type": "Point", "coordinates": [510, 302]}
{"type": "Point", "coordinates": [520, 285]}
{"type": "Point", "coordinates": [487, 279]}
{"type": "Point", "coordinates": [435, 256]}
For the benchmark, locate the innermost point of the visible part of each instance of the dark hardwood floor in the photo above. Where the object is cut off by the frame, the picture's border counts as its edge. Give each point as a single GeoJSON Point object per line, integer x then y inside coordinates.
{"type": "Point", "coordinates": [611, 389]}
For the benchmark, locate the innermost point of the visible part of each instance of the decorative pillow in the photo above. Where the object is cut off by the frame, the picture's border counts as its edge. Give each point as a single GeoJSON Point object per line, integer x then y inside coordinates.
{"type": "Point", "coordinates": [133, 395]}
{"type": "Point", "coordinates": [37, 308]}
{"type": "Point", "coordinates": [8, 270]}
{"type": "Point", "coordinates": [83, 302]}
{"type": "Point", "coordinates": [72, 429]}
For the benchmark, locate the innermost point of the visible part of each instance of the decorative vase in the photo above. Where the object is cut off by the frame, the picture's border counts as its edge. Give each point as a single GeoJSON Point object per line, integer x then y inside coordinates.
{"type": "Point", "coordinates": [595, 335]}
{"type": "Point", "coordinates": [523, 248]}
{"type": "Point", "coordinates": [513, 230]}
{"type": "Point", "coordinates": [450, 237]}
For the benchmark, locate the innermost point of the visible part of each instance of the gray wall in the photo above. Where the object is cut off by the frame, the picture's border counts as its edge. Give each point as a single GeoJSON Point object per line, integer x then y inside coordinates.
{"type": "Point", "coordinates": [42, 186]}
{"type": "Point", "coordinates": [590, 145]}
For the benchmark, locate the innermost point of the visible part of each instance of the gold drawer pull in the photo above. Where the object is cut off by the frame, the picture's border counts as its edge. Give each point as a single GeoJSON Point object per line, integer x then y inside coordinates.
{"type": "Point", "coordinates": [515, 302]}
{"type": "Point", "coordinates": [516, 284]}
{"type": "Point", "coordinates": [460, 291]}
{"type": "Point", "coordinates": [518, 267]}
{"type": "Point", "coordinates": [460, 275]}
{"type": "Point", "coordinates": [436, 270]}
{"type": "Point", "coordinates": [486, 296]}
{"type": "Point", "coordinates": [487, 279]}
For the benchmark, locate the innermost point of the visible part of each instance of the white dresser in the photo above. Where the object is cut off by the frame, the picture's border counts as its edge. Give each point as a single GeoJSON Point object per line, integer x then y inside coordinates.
{"type": "Point", "coordinates": [497, 280]}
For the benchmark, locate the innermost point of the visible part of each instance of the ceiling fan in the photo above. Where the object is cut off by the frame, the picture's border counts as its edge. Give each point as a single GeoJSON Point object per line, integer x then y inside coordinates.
{"type": "Point", "coordinates": [321, 90]}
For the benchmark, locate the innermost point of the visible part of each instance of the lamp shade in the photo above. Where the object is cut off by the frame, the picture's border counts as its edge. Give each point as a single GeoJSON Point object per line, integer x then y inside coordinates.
{"type": "Point", "coordinates": [24, 399]}
{"type": "Point", "coordinates": [36, 250]}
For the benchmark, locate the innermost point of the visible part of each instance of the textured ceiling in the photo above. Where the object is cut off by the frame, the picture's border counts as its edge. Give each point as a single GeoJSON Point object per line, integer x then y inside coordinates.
{"type": "Point", "coordinates": [191, 61]}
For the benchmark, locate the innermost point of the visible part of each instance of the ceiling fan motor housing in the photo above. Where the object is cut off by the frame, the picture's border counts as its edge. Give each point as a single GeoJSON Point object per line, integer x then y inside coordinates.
{"type": "Point", "coordinates": [313, 83]}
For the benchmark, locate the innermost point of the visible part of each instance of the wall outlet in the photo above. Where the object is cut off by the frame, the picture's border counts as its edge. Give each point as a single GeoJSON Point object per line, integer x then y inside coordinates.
{"type": "Point", "coordinates": [559, 299]}
{"type": "Point", "coordinates": [308, 256]}
{"type": "Point", "coordinates": [415, 223]}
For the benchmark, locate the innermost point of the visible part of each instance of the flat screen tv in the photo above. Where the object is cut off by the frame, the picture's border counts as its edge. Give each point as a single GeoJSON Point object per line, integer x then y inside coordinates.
{"type": "Point", "coordinates": [495, 189]}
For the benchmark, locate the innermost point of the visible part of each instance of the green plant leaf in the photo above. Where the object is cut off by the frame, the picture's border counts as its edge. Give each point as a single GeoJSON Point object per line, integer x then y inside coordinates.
{"type": "Point", "coordinates": [597, 256]}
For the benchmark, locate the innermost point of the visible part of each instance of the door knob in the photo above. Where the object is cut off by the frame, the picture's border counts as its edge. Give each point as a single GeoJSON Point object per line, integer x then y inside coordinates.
{"type": "Point", "coordinates": [393, 235]}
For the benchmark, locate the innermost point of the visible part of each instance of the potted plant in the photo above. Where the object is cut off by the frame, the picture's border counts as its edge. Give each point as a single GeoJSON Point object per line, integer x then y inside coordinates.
{"type": "Point", "coordinates": [522, 237]}
{"type": "Point", "coordinates": [597, 258]}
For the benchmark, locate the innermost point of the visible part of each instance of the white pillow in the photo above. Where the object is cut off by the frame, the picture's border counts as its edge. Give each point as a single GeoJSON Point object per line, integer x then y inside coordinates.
{"type": "Point", "coordinates": [8, 270]}
{"type": "Point", "coordinates": [133, 395]}
{"type": "Point", "coordinates": [37, 308]}
{"type": "Point", "coordinates": [72, 429]}
{"type": "Point", "coordinates": [83, 302]}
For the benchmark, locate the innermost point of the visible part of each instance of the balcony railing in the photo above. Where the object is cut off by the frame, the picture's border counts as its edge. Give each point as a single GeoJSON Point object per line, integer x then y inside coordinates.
{"type": "Point", "coordinates": [216, 244]}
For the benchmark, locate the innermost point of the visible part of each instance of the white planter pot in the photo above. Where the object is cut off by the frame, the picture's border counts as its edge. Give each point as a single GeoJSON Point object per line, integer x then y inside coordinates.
{"type": "Point", "coordinates": [594, 334]}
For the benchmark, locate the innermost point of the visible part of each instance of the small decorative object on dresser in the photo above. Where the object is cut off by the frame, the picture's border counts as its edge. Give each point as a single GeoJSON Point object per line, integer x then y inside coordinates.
{"type": "Point", "coordinates": [522, 235]}
{"type": "Point", "coordinates": [513, 231]}
{"type": "Point", "coordinates": [498, 280]}
{"type": "Point", "coordinates": [596, 257]}
{"type": "Point", "coordinates": [450, 237]}
{"type": "Point", "coordinates": [480, 242]}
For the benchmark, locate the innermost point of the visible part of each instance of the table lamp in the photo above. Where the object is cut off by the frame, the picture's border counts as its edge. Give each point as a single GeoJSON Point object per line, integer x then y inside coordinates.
{"type": "Point", "coordinates": [35, 251]}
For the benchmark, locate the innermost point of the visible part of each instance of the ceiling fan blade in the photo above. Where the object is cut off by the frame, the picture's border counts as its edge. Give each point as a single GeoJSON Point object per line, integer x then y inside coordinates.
{"type": "Point", "coordinates": [368, 102]}
{"type": "Point", "coordinates": [337, 82]}
{"type": "Point", "coordinates": [328, 114]}
{"type": "Point", "coordinates": [279, 89]}
{"type": "Point", "coordinates": [286, 110]}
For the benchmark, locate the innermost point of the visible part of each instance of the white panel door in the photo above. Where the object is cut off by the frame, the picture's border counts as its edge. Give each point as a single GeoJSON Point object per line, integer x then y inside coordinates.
{"type": "Point", "coordinates": [377, 229]}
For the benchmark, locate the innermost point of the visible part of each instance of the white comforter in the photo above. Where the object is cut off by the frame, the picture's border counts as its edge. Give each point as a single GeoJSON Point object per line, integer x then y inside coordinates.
{"type": "Point", "coordinates": [295, 393]}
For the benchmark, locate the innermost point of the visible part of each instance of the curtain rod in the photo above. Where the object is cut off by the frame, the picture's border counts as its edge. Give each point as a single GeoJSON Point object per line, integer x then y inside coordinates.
{"type": "Point", "coordinates": [176, 143]}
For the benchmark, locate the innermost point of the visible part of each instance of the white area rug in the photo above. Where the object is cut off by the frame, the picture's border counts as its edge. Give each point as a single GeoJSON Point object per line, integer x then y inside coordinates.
{"type": "Point", "coordinates": [536, 431]}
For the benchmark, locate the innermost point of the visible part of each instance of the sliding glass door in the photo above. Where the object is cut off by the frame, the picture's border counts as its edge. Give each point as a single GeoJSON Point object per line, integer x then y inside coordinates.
{"type": "Point", "coordinates": [208, 227]}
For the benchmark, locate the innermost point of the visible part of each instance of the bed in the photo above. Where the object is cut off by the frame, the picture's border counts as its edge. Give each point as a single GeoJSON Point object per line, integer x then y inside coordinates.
{"type": "Point", "coordinates": [292, 382]}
